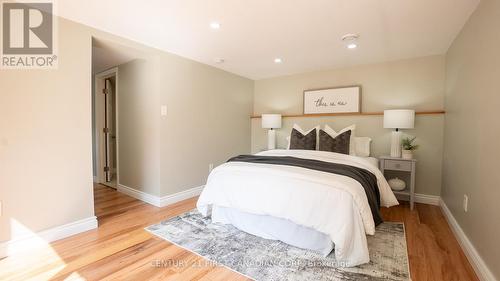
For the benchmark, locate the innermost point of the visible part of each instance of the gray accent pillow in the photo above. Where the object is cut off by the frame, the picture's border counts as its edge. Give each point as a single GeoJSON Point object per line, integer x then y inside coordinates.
{"type": "Point", "coordinates": [339, 144]}
{"type": "Point", "coordinates": [300, 141]}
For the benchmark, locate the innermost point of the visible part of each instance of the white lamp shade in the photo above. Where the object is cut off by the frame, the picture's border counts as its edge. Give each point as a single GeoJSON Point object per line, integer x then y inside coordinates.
{"type": "Point", "coordinates": [399, 119]}
{"type": "Point", "coordinates": [271, 121]}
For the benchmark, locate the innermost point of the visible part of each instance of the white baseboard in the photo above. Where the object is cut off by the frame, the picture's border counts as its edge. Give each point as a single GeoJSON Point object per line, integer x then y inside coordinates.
{"type": "Point", "coordinates": [95, 179]}
{"type": "Point", "coordinates": [427, 199]}
{"type": "Point", "coordinates": [42, 238]}
{"type": "Point", "coordinates": [160, 201]}
{"type": "Point", "coordinates": [141, 195]}
{"type": "Point", "coordinates": [482, 271]}
{"type": "Point", "coordinates": [183, 195]}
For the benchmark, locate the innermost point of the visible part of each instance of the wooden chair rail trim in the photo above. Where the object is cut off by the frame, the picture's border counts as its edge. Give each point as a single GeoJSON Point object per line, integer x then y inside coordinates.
{"type": "Point", "coordinates": [434, 112]}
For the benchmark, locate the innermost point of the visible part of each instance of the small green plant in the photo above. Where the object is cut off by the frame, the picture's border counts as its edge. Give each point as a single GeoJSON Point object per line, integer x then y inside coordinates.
{"type": "Point", "coordinates": [407, 143]}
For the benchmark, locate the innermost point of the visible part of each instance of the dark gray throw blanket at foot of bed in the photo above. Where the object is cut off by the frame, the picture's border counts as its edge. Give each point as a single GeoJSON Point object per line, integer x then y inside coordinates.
{"type": "Point", "coordinates": [364, 177]}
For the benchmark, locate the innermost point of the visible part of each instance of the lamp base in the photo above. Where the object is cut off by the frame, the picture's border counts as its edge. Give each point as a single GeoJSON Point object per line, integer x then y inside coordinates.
{"type": "Point", "coordinates": [396, 144]}
{"type": "Point", "coordinates": [271, 139]}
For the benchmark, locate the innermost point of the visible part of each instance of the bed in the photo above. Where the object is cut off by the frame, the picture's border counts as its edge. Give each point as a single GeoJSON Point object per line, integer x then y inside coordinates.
{"type": "Point", "coordinates": [299, 204]}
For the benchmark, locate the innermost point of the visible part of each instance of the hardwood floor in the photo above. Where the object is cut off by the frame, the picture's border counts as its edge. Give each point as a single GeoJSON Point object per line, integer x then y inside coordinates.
{"type": "Point", "coordinates": [121, 250]}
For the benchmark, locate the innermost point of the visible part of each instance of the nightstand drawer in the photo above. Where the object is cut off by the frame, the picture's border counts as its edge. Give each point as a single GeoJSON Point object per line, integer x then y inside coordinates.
{"type": "Point", "coordinates": [397, 165]}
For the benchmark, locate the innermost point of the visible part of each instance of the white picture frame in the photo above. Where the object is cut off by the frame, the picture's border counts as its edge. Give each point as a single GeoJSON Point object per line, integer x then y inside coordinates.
{"type": "Point", "coordinates": [333, 100]}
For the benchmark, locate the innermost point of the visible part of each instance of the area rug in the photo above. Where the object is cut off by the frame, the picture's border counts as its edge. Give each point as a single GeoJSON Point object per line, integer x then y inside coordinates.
{"type": "Point", "coordinates": [261, 259]}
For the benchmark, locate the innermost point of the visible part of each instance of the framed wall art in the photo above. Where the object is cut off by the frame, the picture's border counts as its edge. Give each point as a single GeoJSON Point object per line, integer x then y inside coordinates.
{"type": "Point", "coordinates": [333, 100]}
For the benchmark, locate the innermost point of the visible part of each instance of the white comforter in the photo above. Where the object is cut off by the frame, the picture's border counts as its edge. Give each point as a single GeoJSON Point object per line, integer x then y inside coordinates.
{"type": "Point", "coordinates": [332, 204]}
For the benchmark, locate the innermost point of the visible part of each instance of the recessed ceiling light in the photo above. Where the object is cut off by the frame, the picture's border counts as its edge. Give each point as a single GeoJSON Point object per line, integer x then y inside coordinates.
{"type": "Point", "coordinates": [350, 41]}
{"type": "Point", "coordinates": [278, 60]}
{"type": "Point", "coordinates": [214, 25]}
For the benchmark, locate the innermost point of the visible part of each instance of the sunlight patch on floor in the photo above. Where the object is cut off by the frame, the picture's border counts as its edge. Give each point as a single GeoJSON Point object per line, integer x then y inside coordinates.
{"type": "Point", "coordinates": [27, 248]}
{"type": "Point", "coordinates": [74, 277]}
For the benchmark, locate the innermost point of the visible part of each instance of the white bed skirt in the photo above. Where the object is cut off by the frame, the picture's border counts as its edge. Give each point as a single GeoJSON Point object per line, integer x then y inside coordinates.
{"type": "Point", "coordinates": [273, 228]}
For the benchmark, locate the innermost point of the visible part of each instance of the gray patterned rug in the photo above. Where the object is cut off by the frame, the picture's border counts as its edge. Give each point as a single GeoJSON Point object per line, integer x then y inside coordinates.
{"type": "Point", "coordinates": [263, 259]}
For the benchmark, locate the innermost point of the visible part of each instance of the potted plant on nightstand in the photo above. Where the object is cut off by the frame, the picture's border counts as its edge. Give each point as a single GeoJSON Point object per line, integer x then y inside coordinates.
{"type": "Point", "coordinates": [408, 147]}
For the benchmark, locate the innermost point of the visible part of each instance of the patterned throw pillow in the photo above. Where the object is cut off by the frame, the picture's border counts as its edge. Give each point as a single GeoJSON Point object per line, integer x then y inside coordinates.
{"type": "Point", "coordinates": [339, 144]}
{"type": "Point", "coordinates": [300, 141]}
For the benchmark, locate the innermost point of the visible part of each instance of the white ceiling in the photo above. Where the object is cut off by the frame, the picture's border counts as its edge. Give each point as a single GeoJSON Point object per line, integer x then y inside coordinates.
{"type": "Point", "coordinates": [106, 55]}
{"type": "Point", "coordinates": [306, 34]}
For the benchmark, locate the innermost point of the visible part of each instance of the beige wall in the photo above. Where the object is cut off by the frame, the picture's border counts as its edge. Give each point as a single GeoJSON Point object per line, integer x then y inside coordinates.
{"type": "Point", "coordinates": [207, 121]}
{"type": "Point", "coordinates": [472, 130]}
{"type": "Point", "coordinates": [139, 126]}
{"type": "Point", "coordinates": [45, 139]}
{"type": "Point", "coordinates": [416, 83]}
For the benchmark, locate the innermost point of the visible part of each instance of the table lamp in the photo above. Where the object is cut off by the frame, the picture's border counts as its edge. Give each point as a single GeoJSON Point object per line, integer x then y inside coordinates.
{"type": "Point", "coordinates": [271, 122]}
{"type": "Point", "coordinates": [398, 119]}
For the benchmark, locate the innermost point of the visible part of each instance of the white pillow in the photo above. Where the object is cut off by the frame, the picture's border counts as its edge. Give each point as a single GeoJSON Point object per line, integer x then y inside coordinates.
{"type": "Point", "coordinates": [362, 146]}
{"type": "Point", "coordinates": [298, 128]}
{"type": "Point", "coordinates": [352, 128]}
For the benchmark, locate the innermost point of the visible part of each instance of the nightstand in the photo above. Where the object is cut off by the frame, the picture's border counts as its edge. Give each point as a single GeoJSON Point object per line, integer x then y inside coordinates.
{"type": "Point", "coordinates": [404, 169]}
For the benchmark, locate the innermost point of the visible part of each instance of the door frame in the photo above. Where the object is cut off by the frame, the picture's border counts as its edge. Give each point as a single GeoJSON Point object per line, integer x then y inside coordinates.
{"type": "Point", "coordinates": [99, 124]}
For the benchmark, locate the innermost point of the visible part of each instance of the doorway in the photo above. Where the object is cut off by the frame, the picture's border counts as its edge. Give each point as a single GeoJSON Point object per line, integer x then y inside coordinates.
{"type": "Point", "coordinates": [106, 126]}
